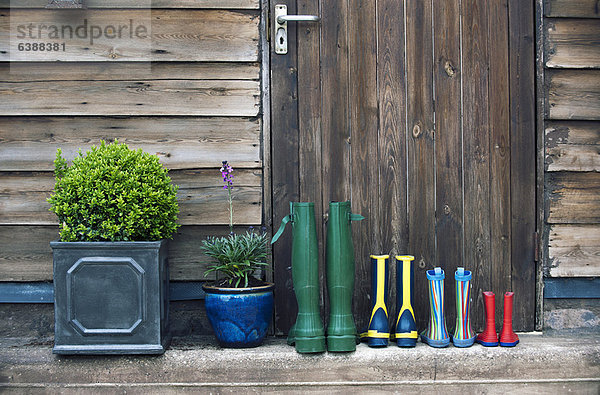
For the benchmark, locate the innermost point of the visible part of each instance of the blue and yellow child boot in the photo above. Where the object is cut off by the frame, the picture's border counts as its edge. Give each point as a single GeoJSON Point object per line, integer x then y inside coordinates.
{"type": "Point", "coordinates": [463, 334]}
{"type": "Point", "coordinates": [378, 331]}
{"type": "Point", "coordinates": [436, 334]}
{"type": "Point", "coordinates": [406, 327]}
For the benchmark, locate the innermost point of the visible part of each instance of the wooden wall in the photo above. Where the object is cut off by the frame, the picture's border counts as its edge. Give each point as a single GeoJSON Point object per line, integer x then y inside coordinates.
{"type": "Point", "coordinates": [571, 43]}
{"type": "Point", "coordinates": [192, 98]}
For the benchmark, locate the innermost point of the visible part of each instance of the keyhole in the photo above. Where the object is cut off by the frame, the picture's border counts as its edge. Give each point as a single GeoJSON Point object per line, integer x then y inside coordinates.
{"type": "Point", "coordinates": [281, 40]}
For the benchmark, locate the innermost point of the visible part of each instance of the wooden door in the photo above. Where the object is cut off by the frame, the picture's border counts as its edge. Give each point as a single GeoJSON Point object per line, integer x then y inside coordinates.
{"type": "Point", "coordinates": [422, 114]}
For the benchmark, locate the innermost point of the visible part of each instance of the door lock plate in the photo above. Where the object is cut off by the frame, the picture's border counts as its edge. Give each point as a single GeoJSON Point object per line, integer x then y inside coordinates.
{"type": "Point", "coordinates": [281, 38]}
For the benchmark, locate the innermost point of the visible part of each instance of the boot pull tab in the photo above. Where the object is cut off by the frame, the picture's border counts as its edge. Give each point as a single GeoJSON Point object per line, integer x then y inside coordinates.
{"type": "Point", "coordinates": [284, 222]}
{"type": "Point", "coordinates": [355, 217]}
{"type": "Point", "coordinates": [460, 271]}
{"type": "Point", "coordinates": [438, 270]}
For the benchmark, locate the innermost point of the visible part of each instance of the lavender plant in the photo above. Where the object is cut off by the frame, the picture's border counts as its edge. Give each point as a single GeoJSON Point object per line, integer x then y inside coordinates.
{"type": "Point", "coordinates": [238, 256]}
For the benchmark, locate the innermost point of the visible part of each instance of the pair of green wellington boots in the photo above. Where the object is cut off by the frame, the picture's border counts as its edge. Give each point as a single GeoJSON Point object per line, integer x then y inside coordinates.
{"type": "Point", "coordinates": [308, 334]}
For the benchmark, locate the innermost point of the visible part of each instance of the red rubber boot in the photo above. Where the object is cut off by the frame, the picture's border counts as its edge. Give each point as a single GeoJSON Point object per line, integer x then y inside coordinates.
{"type": "Point", "coordinates": [488, 337]}
{"type": "Point", "coordinates": [508, 338]}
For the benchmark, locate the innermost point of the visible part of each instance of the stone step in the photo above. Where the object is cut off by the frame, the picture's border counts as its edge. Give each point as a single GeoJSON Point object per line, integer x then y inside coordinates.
{"type": "Point", "coordinates": [539, 364]}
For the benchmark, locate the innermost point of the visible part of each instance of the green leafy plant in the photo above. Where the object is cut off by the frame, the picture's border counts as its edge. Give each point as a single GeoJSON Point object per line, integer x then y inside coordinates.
{"type": "Point", "coordinates": [237, 256]}
{"type": "Point", "coordinates": [113, 193]}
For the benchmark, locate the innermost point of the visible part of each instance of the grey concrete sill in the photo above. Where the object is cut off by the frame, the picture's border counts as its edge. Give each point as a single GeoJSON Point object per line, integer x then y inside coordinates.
{"type": "Point", "coordinates": [538, 363]}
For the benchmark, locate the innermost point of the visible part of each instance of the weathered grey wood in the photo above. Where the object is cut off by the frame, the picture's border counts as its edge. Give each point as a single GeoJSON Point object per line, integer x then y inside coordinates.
{"type": "Point", "coordinates": [309, 125]}
{"type": "Point", "coordinates": [265, 75]}
{"type": "Point", "coordinates": [389, 225]}
{"type": "Point", "coordinates": [572, 146]}
{"type": "Point", "coordinates": [25, 253]}
{"type": "Point", "coordinates": [572, 8]}
{"type": "Point", "coordinates": [172, 35]}
{"type": "Point", "coordinates": [523, 160]}
{"type": "Point", "coordinates": [572, 43]}
{"type": "Point", "coordinates": [363, 100]}
{"type": "Point", "coordinates": [202, 200]}
{"type": "Point", "coordinates": [30, 143]}
{"type": "Point", "coordinates": [126, 71]}
{"type": "Point", "coordinates": [573, 94]}
{"type": "Point", "coordinates": [448, 74]}
{"type": "Point", "coordinates": [574, 251]}
{"type": "Point", "coordinates": [285, 167]}
{"type": "Point", "coordinates": [573, 198]}
{"type": "Point", "coordinates": [163, 97]}
{"type": "Point", "coordinates": [499, 151]}
{"type": "Point", "coordinates": [421, 152]}
{"type": "Point", "coordinates": [236, 4]}
{"type": "Point", "coordinates": [476, 149]}
{"type": "Point", "coordinates": [335, 84]}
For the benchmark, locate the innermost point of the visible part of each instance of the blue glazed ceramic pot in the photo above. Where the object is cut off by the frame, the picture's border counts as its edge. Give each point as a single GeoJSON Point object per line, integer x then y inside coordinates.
{"type": "Point", "coordinates": [240, 317]}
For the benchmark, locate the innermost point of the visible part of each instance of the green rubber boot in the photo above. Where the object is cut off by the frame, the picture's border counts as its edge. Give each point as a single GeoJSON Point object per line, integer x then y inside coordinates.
{"type": "Point", "coordinates": [307, 334]}
{"type": "Point", "coordinates": [341, 331]}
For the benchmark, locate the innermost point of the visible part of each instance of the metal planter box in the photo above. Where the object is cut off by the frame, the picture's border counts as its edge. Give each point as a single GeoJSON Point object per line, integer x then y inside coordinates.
{"type": "Point", "coordinates": [111, 297]}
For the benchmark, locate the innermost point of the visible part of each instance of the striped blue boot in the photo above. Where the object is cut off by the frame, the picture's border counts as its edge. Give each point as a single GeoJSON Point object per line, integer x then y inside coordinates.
{"type": "Point", "coordinates": [406, 327]}
{"type": "Point", "coordinates": [463, 334]}
{"type": "Point", "coordinates": [378, 331]}
{"type": "Point", "coordinates": [436, 334]}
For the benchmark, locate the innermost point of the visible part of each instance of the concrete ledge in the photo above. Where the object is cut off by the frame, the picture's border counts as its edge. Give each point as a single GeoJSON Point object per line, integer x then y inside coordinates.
{"type": "Point", "coordinates": [538, 363]}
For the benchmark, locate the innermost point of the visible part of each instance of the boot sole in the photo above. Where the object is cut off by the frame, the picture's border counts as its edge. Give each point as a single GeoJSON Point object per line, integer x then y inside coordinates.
{"type": "Point", "coordinates": [463, 342]}
{"type": "Point", "coordinates": [309, 345]}
{"type": "Point", "coordinates": [341, 343]}
{"type": "Point", "coordinates": [435, 343]}
{"type": "Point", "coordinates": [511, 344]}
{"type": "Point", "coordinates": [406, 342]}
{"type": "Point", "coordinates": [487, 344]}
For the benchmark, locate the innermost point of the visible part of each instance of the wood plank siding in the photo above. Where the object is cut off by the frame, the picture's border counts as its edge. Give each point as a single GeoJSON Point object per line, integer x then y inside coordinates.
{"type": "Point", "coordinates": [572, 137]}
{"type": "Point", "coordinates": [191, 95]}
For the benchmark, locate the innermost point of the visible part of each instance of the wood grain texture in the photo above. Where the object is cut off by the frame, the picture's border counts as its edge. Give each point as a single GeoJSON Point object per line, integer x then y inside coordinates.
{"type": "Point", "coordinates": [448, 73]}
{"type": "Point", "coordinates": [236, 4]}
{"type": "Point", "coordinates": [364, 170]}
{"type": "Point", "coordinates": [391, 229]}
{"type": "Point", "coordinates": [523, 160]}
{"type": "Point", "coordinates": [574, 251]}
{"type": "Point", "coordinates": [310, 132]}
{"type": "Point", "coordinates": [499, 151]}
{"type": "Point", "coordinates": [30, 143]}
{"type": "Point", "coordinates": [126, 71]}
{"type": "Point", "coordinates": [573, 198]}
{"type": "Point", "coordinates": [163, 97]}
{"type": "Point", "coordinates": [25, 253]}
{"type": "Point", "coordinates": [573, 94]}
{"type": "Point", "coordinates": [421, 148]}
{"type": "Point", "coordinates": [476, 149]}
{"type": "Point", "coordinates": [201, 198]}
{"type": "Point", "coordinates": [572, 146]}
{"type": "Point", "coordinates": [335, 85]}
{"type": "Point", "coordinates": [172, 35]}
{"type": "Point", "coordinates": [285, 168]}
{"type": "Point", "coordinates": [572, 8]}
{"type": "Point", "coordinates": [572, 43]}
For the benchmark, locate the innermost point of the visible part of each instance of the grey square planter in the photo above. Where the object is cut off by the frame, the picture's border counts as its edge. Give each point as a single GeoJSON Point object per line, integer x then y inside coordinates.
{"type": "Point", "coordinates": [111, 297]}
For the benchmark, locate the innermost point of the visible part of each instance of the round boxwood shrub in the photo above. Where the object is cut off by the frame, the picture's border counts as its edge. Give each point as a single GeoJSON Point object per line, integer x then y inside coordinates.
{"type": "Point", "coordinates": [113, 193]}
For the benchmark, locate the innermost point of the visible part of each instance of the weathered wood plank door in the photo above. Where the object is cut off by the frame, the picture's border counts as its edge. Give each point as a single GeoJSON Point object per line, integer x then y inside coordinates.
{"type": "Point", "coordinates": [422, 114]}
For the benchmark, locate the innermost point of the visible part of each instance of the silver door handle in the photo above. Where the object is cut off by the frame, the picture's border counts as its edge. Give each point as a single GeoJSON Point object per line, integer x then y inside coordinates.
{"type": "Point", "coordinates": [281, 20]}
{"type": "Point", "coordinates": [297, 18]}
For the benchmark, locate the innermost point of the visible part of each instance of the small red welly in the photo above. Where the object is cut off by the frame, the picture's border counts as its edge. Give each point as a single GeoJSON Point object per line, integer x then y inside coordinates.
{"type": "Point", "coordinates": [508, 338]}
{"type": "Point", "coordinates": [489, 337]}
